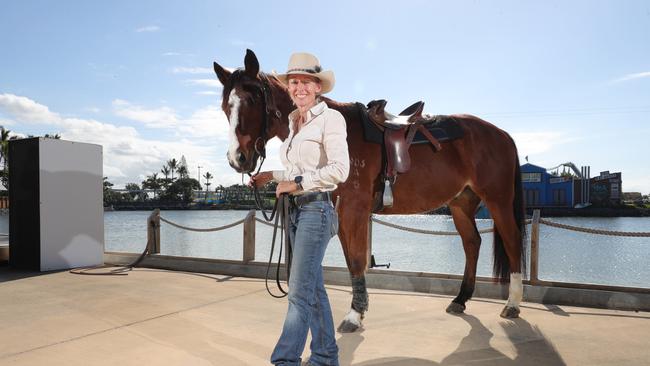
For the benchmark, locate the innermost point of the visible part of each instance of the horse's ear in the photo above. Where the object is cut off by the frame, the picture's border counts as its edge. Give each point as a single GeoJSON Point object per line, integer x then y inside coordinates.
{"type": "Point", "coordinates": [252, 66]}
{"type": "Point", "coordinates": [222, 74]}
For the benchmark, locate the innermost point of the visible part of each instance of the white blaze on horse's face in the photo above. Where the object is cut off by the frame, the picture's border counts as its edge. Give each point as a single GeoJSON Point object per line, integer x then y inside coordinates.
{"type": "Point", "coordinates": [233, 149]}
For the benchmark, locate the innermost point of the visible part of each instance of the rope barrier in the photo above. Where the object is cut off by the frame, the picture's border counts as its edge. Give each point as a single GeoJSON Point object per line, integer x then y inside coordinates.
{"type": "Point", "coordinates": [421, 231]}
{"type": "Point", "coordinates": [264, 222]}
{"type": "Point", "coordinates": [595, 231]}
{"type": "Point", "coordinates": [432, 232]}
{"type": "Point", "coordinates": [202, 230]}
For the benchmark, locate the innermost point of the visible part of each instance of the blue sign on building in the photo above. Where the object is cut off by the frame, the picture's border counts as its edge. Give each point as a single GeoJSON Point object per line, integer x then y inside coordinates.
{"type": "Point", "coordinates": [542, 189]}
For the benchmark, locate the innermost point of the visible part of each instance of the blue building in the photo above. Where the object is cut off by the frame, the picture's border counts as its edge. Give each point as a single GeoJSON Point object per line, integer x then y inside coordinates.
{"type": "Point", "coordinates": [542, 189]}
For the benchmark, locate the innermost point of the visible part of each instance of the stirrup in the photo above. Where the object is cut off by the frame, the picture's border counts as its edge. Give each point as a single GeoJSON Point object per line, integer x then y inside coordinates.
{"type": "Point", "coordinates": [387, 198]}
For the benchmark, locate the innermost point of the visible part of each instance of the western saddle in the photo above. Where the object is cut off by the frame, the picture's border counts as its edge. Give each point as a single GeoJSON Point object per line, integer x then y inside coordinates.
{"type": "Point", "coordinates": [397, 135]}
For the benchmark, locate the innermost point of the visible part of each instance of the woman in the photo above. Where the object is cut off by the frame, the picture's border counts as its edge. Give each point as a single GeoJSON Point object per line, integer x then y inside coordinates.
{"type": "Point", "coordinates": [315, 158]}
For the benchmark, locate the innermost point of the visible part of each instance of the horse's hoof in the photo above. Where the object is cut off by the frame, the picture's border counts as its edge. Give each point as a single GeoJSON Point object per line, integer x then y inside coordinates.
{"type": "Point", "coordinates": [348, 327]}
{"type": "Point", "coordinates": [509, 312]}
{"type": "Point", "coordinates": [455, 308]}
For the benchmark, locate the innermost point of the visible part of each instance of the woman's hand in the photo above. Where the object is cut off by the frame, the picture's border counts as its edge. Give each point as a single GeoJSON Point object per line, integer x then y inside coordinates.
{"type": "Point", "coordinates": [260, 179]}
{"type": "Point", "coordinates": [285, 187]}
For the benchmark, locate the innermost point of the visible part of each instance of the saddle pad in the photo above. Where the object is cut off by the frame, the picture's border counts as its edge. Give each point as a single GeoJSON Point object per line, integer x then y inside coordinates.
{"type": "Point", "coordinates": [444, 128]}
{"type": "Point", "coordinates": [370, 132]}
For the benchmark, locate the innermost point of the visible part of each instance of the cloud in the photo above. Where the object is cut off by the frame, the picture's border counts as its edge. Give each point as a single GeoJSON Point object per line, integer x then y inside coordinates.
{"type": "Point", "coordinates": [171, 54]}
{"type": "Point", "coordinates": [205, 82]}
{"type": "Point", "coordinates": [129, 157]}
{"type": "Point", "coordinates": [163, 117]}
{"type": "Point", "coordinates": [529, 143]}
{"type": "Point", "coordinates": [206, 123]}
{"type": "Point", "coordinates": [93, 109]}
{"type": "Point", "coordinates": [149, 28]}
{"type": "Point", "coordinates": [629, 77]}
{"type": "Point", "coordinates": [192, 70]}
{"type": "Point", "coordinates": [26, 110]}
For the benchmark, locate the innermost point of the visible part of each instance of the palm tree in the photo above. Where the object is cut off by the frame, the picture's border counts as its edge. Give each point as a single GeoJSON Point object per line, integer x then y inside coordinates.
{"type": "Point", "coordinates": [207, 177]}
{"type": "Point", "coordinates": [165, 170]}
{"type": "Point", "coordinates": [172, 164]}
{"type": "Point", "coordinates": [152, 182]}
{"type": "Point", "coordinates": [182, 172]}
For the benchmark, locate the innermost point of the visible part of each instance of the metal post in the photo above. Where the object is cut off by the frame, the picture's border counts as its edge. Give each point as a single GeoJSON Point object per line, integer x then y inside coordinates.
{"type": "Point", "coordinates": [249, 237]}
{"type": "Point", "coordinates": [369, 242]}
{"type": "Point", "coordinates": [534, 249]}
{"type": "Point", "coordinates": [153, 232]}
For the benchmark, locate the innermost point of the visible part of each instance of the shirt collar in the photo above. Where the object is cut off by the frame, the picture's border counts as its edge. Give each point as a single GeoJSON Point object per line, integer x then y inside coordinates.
{"type": "Point", "coordinates": [314, 111]}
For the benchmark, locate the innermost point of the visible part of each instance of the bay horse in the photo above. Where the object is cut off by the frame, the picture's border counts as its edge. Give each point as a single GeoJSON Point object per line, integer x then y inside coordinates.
{"type": "Point", "coordinates": [482, 165]}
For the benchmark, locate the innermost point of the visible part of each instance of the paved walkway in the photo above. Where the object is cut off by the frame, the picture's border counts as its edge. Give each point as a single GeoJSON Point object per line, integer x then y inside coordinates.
{"type": "Point", "coordinates": [154, 317]}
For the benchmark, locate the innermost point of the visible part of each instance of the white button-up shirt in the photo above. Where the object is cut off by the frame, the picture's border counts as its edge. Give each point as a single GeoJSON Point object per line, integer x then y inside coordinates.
{"type": "Point", "coordinates": [318, 152]}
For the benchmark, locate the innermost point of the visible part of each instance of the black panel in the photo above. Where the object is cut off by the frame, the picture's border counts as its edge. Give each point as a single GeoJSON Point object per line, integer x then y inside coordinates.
{"type": "Point", "coordinates": [24, 204]}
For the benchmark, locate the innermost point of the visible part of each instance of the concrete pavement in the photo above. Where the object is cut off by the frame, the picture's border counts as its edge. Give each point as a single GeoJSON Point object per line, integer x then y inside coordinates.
{"type": "Point", "coordinates": [158, 317]}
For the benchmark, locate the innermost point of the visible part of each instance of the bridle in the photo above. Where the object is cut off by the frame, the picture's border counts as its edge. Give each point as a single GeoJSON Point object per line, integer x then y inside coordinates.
{"type": "Point", "coordinates": [269, 107]}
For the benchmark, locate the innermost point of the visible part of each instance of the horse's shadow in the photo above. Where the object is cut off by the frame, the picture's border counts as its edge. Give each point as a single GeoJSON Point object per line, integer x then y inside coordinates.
{"type": "Point", "coordinates": [530, 345]}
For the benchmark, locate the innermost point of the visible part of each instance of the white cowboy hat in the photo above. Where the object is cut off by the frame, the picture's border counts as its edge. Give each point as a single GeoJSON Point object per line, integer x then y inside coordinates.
{"type": "Point", "coordinates": [302, 63]}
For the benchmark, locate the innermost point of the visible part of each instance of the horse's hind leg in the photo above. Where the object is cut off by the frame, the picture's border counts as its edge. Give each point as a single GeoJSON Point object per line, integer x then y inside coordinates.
{"type": "Point", "coordinates": [463, 209]}
{"type": "Point", "coordinates": [509, 251]}
{"type": "Point", "coordinates": [353, 234]}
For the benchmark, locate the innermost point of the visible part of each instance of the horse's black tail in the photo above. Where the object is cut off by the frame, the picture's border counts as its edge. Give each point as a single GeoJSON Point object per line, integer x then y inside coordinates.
{"type": "Point", "coordinates": [501, 263]}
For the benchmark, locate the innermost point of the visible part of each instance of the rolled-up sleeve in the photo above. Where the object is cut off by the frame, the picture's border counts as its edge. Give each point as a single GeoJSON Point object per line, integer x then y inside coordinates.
{"type": "Point", "coordinates": [336, 149]}
{"type": "Point", "coordinates": [279, 175]}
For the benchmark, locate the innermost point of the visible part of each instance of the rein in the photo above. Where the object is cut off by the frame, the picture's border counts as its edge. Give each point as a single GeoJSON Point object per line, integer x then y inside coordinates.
{"type": "Point", "coordinates": [280, 210]}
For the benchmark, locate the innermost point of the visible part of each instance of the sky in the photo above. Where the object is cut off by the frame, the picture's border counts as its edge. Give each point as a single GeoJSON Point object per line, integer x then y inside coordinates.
{"type": "Point", "coordinates": [569, 80]}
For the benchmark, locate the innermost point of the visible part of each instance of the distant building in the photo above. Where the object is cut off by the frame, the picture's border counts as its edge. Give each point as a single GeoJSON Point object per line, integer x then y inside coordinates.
{"type": "Point", "coordinates": [542, 189]}
{"type": "Point", "coordinates": [605, 189]}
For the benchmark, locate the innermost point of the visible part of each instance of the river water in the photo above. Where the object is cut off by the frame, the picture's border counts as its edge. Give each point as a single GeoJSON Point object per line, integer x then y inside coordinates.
{"type": "Point", "coordinates": [564, 255]}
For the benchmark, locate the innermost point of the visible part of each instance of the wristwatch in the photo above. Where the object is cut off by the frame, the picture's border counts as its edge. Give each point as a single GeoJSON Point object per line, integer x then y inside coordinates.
{"type": "Point", "coordinates": [298, 181]}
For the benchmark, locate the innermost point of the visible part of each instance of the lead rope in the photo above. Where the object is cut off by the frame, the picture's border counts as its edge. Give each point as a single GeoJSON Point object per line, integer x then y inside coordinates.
{"type": "Point", "coordinates": [281, 221]}
{"type": "Point", "coordinates": [120, 271]}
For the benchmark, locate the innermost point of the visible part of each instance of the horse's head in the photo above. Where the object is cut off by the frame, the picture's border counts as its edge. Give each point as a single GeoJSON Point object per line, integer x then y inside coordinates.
{"type": "Point", "coordinates": [378, 114]}
{"type": "Point", "coordinates": [248, 103]}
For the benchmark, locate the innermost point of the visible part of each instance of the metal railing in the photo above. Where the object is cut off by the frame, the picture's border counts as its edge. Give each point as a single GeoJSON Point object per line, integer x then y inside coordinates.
{"type": "Point", "coordinates": [153, 242]}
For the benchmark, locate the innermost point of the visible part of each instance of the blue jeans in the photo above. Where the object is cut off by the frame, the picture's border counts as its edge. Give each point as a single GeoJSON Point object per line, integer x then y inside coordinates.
{"type": "Point", "coordinates": [312, 227]}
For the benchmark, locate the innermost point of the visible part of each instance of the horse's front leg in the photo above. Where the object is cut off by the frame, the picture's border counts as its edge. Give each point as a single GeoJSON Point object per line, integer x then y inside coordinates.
{"type": "Point", "coordinates": [353, 234]}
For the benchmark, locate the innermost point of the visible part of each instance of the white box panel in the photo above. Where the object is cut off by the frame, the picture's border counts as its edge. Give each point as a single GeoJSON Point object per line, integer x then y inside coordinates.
{"type": "Point", "coordinates": [71, 208]}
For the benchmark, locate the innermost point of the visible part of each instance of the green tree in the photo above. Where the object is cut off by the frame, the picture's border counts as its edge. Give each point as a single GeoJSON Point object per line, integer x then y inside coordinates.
{"type": "Point", "coordinates": [4, 156]}
{"type": "Point", "coordinates": [110, 196]}
{"type": "Point", "coordinates": [152, 182]}
{"type": "Point", "coordinates": [134, 191]}
{"type": "Point", "coordinates": [181, 190]}
{"type": "Point", "coordinates": [182, 172]}
{"type": "Point", "coordinates": [173, 165]}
